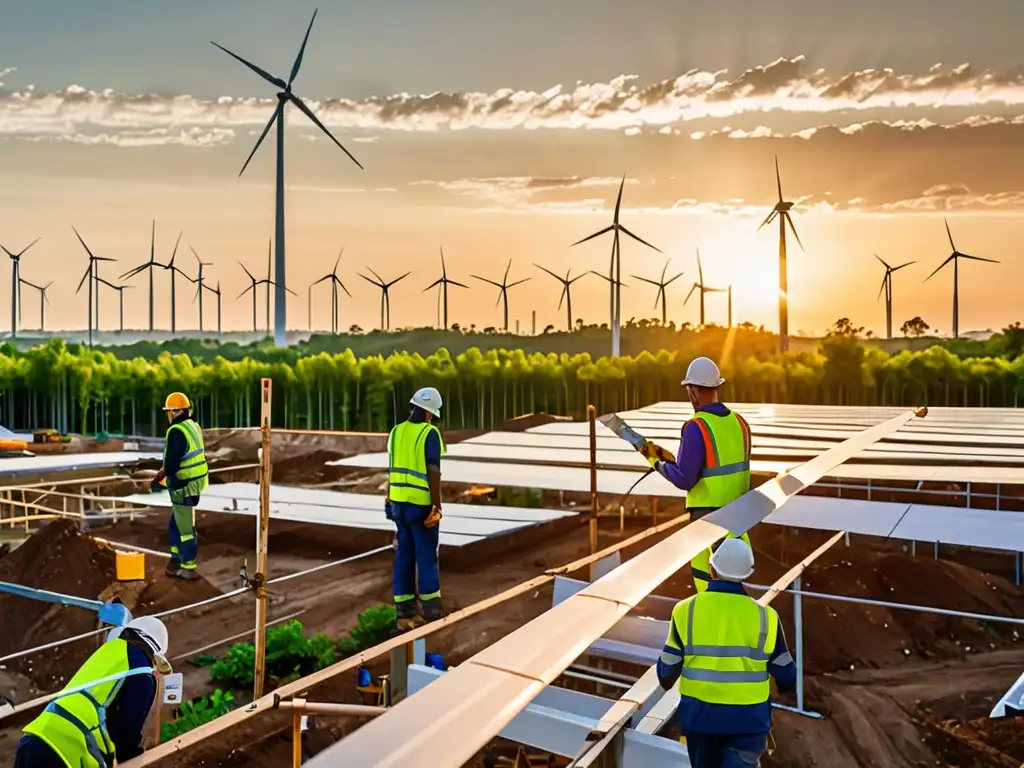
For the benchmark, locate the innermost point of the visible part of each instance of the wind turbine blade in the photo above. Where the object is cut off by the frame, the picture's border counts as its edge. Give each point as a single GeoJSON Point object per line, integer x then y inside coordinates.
{"type": "Point", "coordinates": [639, 239]}
{"type": "Point", "coordinates": [316, 121]}
{"type": "Point", "coordinates": [609, 228]}
{"type": "Point", "coordinates": [338, 261]}
{"type": "Point", "coordinates": [646, 280]}
{"type": "Point", "coordinates": [545, 269]}
{"type": "Point", "coordinates": [398, 279]}
{"type": "Point", "coordinates": [618, 200]}
{"type": "Point", "coordinates": [262, 73]}
{"type": "Point", "coordinates": [342, 286]}
{"type": "Point", "coordinates": [949, 234]}
{"type": "Point", "coordinates": [496, 285]}
{"type": "Point", "coordinates": [948, 259]}
{"type": "Point", "coordinates": [266, 129]}
{"type": "Point", "coordinates": [778, 177]}
{"type": "Point", "coordinates": [250, 288]}
{"type": "Point", "coordinates": [561, 298]}
{"type": "Point", "coordinates": [317, 282]}
{"type": "Point", "coordinates": [768, 219]}
{"type": "Point", "coordinates": [882, 260]}
{"type": "Point", "coordinates": [88, 273]}
{"type": "Point", "coordinates": [901, 266]}
{"type": "Point", "coordinates": [601, 275]}
{"type": "Point", "coordinates": [379, 285]}
{"type": "Point", "coordinates": [7, 252]}
{"type": "Point", "coordinates": [381, 279]}
{"type": "Point", "coordinates": [302, 50]}
{"type": "Point", "coordinates": [519, 282]}
{"type": "Point", "coordinates": [133, 272]}
{"type": "Point", "coordinates": [460, 285]}
{"type": "Point", "coordinates": [444, 271]}
{"type": "Point", "coordinates": [247, 271]}
{"type": "Point", "coordinates": [507, 268]}
{"type": "Point", "coordinates": [700, 270]}
{"type": "Point", "coordinates": [658, 295]}
{"type": "Point", "coordinates": [789, 220]}
{"type": "Point", "coordinates": [28, 246]}
{"type": "Point", "coordinates": [694, 288]}
{"type": "Point", "coordinates": [196, 255]}
{"type": "Point", "coordinates": [664, 270]}
{"type": "Point", "coordinates": [977, 258]}
{"type": "Point", "coordinates": [104, 258]}
{"type": "Point", "coordinates": [432, 285]}
{"type": "Point", "coordinates": [83, 244]}
{"type": "Point", "coordinates": [882, 287]}
{"type": "Point", "coordinates": [672, 279]}
{"type": "Point", "coordinates": [170, 264]}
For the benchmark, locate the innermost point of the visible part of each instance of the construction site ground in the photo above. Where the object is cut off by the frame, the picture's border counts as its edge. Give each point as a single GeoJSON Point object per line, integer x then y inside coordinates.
{"type": "Point", "coordinates": [896, 688]}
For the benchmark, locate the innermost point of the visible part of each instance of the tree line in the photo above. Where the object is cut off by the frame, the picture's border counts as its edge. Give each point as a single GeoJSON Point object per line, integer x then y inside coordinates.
{"type": "Point", "coordinates": [72, 388]}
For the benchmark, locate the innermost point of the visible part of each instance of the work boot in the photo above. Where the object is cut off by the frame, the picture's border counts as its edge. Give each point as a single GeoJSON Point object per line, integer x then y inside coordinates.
{"type": "Point", "coordinates": [172, 567]}
{"type": "Point", "coordinates": [407, 617]}
{"type": "Point", "coordinates": [187, 574]}
{"type": "Point", "coordinates": [431, 609]}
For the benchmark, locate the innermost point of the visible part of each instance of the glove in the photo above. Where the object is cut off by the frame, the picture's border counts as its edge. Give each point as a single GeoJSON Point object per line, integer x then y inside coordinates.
{"type": "Point", "coordinates": [655, 453]}
{"type": "Point", "coordinates": [433, 518]}
{"type": "Point", "coordinates": [156, 484]}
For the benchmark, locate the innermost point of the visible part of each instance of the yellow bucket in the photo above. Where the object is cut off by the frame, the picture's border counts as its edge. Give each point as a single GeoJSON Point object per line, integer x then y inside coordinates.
{"type": "Point", "coordinates": [130, 566]}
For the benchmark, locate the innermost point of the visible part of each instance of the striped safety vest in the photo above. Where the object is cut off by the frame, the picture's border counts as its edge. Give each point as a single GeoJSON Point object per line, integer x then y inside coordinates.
{"type": "Point", "coordinates": [726, 641]}
{"type": "Point", "coordinates": [726, 473]}
{"type": "Point", "coordinates": [193, 471]}
{"type": "Point", "coordinates": [407, 462]}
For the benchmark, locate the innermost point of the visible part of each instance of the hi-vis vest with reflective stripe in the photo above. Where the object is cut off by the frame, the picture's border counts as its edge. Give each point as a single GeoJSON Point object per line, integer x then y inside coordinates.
{"type": "Point", "coordinates": [701, 564]}
{"type": "Point", "coordinates": [75, 726]}
{"type": "Point", "coordinates": [407, 459]}
{"type": "Point", "coordinates": [193, 470]}
{"type": "Point", "coordinates": [726, 473]}
{"type": "Point", "coordinates": [726, 640]}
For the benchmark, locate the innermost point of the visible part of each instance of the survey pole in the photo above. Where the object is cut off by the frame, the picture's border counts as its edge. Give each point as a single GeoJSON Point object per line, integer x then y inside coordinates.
{"type": "Point", "coordinates": [592, 419]}
{"type": "Point", "coordinates": [262, 531]}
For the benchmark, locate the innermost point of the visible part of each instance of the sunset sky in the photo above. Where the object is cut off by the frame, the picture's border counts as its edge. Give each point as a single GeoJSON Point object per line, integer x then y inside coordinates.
{"type": "Point", "coordinates": [501, 131]}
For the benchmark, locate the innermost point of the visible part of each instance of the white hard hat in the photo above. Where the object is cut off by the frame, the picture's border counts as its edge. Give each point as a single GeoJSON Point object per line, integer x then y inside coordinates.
{"type": "Point", "coordinates": [703, 373]}
{"type": "Point", "coordinates": [733, 560]}
{"type": "Point", "coordinates": [429, 399]}
{"type": "Point", "coordinates": [152, 631]}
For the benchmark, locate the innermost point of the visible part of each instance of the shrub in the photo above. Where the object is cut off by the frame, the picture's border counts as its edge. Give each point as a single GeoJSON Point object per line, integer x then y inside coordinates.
{"type": "Point", "coordinates": [290, 654]}
{"type": "Point", "coordinates": [196, 712]}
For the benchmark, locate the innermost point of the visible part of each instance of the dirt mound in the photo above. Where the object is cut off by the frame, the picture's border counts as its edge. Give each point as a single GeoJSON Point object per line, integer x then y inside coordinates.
{"type": "Point", "coordinates": [309, 469]}
{"type": "Point", "coordinates": [60, 559]}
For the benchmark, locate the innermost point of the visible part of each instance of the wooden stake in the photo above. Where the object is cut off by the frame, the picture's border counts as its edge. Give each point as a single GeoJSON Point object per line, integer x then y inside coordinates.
{"type": "Point", "coordinates": [592, 418]}
{"type": "Point", "coordinates": [296, 739]}
{"type": "Point", "coordinates": [262, 530]}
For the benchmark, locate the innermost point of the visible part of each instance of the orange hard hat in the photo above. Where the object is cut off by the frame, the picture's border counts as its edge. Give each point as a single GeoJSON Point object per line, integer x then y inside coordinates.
{"type": "Point", "coordinates": [177, 401]}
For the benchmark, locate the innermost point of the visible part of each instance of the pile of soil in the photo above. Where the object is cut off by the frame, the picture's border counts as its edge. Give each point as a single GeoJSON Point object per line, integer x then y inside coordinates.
{"type": "Point", "coordinates": [60, 559]}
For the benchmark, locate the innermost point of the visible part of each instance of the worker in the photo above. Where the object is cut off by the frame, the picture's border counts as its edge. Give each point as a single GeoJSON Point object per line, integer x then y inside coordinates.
{"type": "Point", "coordinates": [413, 504]}
{"type": "Point", "coordinates": [722, 646]}
{"type": "Point", "coordinates": [103, 724]}
{"type": "Point", "coordinates": [186, 474]}
{"type": "Point", "coordinates": [713, 462]}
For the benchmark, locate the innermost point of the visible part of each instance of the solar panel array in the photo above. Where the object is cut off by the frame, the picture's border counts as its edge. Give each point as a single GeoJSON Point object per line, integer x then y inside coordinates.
{"type": "Point", "coordinates": [69, 462]}
{"type": "Point", "coordinates": [462, 524]}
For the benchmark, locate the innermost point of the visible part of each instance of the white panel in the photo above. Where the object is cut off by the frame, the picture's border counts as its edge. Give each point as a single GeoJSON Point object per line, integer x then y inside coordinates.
{"type": "Point", "coordinates": [972, 527]}
{"type": "Point", "coordinates": [69, 462]}
{"type": "Point", "coordinates": [874, 518]}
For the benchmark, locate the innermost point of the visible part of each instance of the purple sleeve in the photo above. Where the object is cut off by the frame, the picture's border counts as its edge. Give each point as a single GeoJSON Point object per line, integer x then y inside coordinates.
{"type": "Point", "coordinates": [685, 473]}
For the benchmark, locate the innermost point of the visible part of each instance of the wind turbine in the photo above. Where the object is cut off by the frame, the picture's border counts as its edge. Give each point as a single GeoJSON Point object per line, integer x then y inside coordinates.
{"type": "Point", "coordinates": [149, 265]}
{"type": "Point", "coordinates": [661, 284]}
{"type": "Point", "coordinates": [699, 285]}
{"type": "Point", "coordinates": [173, 270]}
{"type": "Point", "coordinates": [217, 291]}
{"type": "Point", "coordinates": [199, 280]}
{"type": "Point", "coordinates": [566, 295]}
{"type": "Point", "coordinates": [781, 211]}
{"type": "Point", "coordinates": [442, 284]}
{"type": "Point", "coordinates": [43, 301]}
{"type": "Point", "coordinates": [955, 257]}
{"type": "Point", "coordinates": [90, 273]}
{"type": "Point", "coordinates": [16, 285]}
{"type": "Point", "coordinates": [284, 96]}
{"type": "Point", "coordinates": [615, 268]}
{"type": "Point", "coordinates": [120, 295]}
{"type": "Point", "coordinates": [887, 287]}
{"type": "Point", "coordinates": [252, 287]}
{"type": "Point", "coordinates": [503, 287]}
{"type": "Point", "coordinates": [385, 299]}
{"type": "Point", "coordinates": [335, 282]}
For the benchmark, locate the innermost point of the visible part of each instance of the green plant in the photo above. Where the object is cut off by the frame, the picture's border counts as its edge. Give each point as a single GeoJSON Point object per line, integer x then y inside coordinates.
{"type": "Point", "coordinates": [196, 712]}
{"type": "Point", "coordinates": [373, 626]}
{"type": "Point", "coordinates": [290, 654]}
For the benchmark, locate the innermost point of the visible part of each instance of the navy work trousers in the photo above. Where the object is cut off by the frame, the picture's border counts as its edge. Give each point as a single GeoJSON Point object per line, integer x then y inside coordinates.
{"type": "Point", "coordinates": [416, 558]}
{"type": "Point", "coordinates": [710, 750]}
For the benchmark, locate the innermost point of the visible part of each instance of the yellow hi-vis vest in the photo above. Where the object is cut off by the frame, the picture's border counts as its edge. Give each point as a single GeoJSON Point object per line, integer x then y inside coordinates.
{"type": "Point", "coordinates": [700, 565]}
{"type": "Point", "coordinates": [726, 641]}
{"type": "Point", "coordinates": [726, 473]}
{"type": "Point", "coordinates": [75, 726]}
{"type": "Point", "coordinates": [193, 471]}
{"type": "Point", "coordinates": [407, 461]}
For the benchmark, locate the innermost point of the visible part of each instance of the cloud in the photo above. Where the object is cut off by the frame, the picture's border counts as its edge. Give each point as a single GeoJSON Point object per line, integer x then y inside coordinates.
{"type": "Point", "coordinates": [154, 137]}
{"type": "Point", "coordinates": [4, 71]}
{"type": "Point", "coordinates": [956, 197]}
{"type": "Point", "coordinates": [524, 192]}
{"type": "Point", "coordinates": [786, 85]}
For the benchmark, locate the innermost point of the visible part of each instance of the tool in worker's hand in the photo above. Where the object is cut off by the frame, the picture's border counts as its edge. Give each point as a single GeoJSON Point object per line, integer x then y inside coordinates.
{"type": "Point", "coordinates": [433, 518]}
{"type": "Point", "coordinates": [649, 450]}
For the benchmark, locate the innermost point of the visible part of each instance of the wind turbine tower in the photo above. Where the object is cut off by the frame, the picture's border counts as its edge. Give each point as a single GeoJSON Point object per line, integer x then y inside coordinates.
{"type": "Point", "coordinates": [887, 287]}
{"type": "Point", "coordinates": [150, 266]}
{"type": "Point", "coordinates": [955, 257]}
{"type": "Point", "coordinates": [89, 275]}
{"type": "Point", "coordinates": [615, 268]}
{"type": "Point", "coordinates": [335, 281]}
{"type": "Point", "coordinates": [175, 270]}
{"type": "Point", "coordinates": [199, 280]}
{"type": "Point", "coordinates": [503, 287]}
{"type": "Point", "coordinates": [385, 297]}
{"type": "Point", "coordinates": [781, 211]}
{"type": "Point", "coordinates": [284, 97]}
{"type": "Point", "coordinates": [120, 296]}
{"type": "Point", "coordinates": [442, 284]}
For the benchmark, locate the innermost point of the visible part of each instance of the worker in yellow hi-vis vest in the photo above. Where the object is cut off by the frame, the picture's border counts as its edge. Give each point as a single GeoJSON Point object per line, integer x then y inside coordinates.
{"type": "Point", "coordinates": [185, 472]}
{"type": "Point", "coordinates": [413, 504]}
{"type": "Point", "coordinates": [713, 462]}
